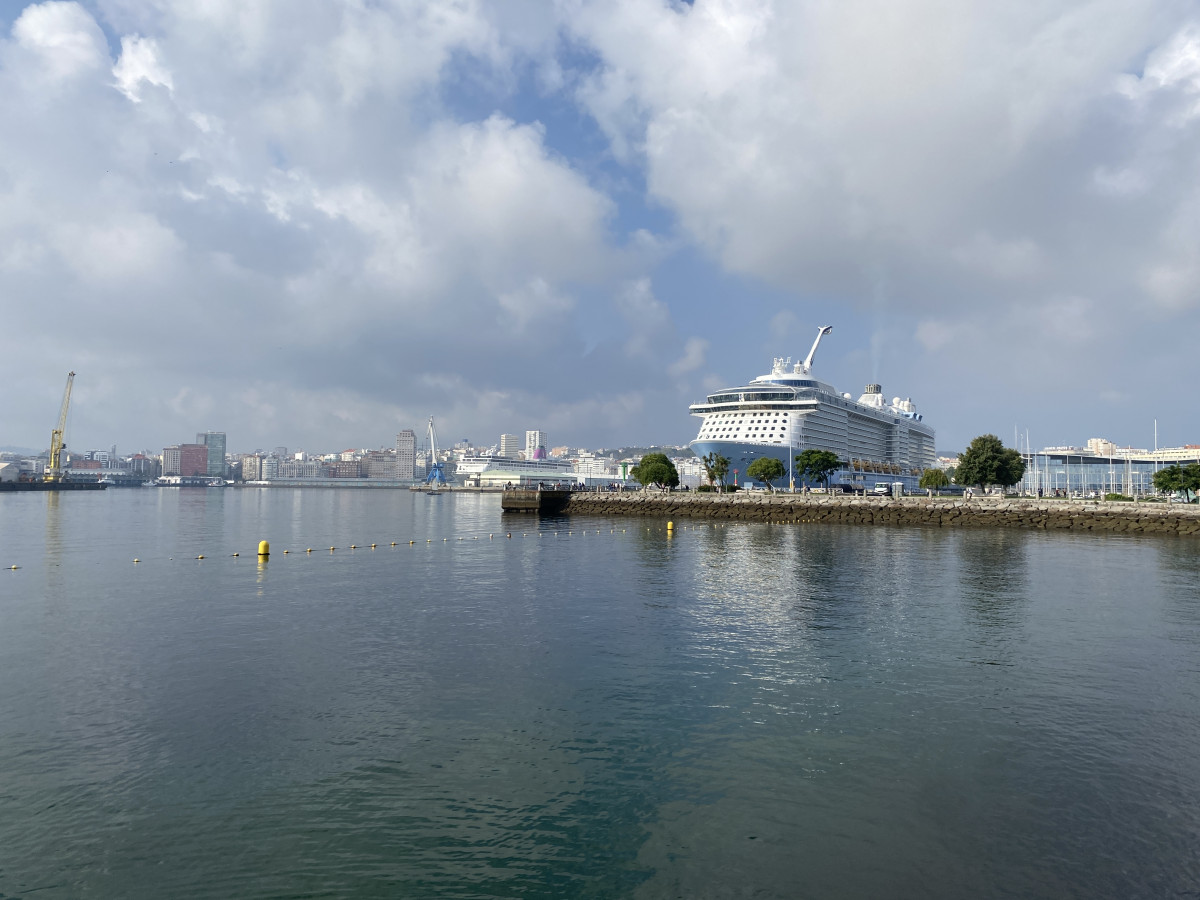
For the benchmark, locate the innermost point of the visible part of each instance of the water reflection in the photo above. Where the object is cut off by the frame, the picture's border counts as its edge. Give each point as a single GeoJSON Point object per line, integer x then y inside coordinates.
{"type": "Point", "coordinates": [992, 568]}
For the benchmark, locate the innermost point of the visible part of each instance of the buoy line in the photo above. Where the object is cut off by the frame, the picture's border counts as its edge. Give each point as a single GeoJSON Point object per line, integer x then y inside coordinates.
{"type": "Point", "coordinates": [264, 550]}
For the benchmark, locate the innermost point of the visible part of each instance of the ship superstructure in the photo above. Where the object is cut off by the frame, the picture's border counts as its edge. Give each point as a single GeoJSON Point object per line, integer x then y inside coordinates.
{"type": "Point", "coordinates": [788, 411]}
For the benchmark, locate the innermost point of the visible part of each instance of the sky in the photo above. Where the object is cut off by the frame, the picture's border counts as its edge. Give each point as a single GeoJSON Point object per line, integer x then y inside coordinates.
{"type": "Point", "coordinates": [313, 223]}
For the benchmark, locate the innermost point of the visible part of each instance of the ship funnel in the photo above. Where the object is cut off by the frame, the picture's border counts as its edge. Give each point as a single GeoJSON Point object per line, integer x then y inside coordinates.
{"type": "Point", "coordinates": [874, 389]}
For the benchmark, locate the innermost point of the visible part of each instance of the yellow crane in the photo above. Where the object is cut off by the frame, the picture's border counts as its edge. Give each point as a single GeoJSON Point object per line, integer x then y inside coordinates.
{"type": "Point", "coordinates": [54, 469]}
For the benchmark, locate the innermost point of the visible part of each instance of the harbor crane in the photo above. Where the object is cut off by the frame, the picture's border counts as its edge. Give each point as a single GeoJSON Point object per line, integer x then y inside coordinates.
{"type": "Point", "coordinates": [54, 469]}
{"type": "Point", "coordinates": [437, 469]}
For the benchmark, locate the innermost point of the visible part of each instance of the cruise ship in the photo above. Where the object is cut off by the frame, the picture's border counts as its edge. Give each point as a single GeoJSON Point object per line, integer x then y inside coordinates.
{"type": "Point", "coordinates": [783, 413]}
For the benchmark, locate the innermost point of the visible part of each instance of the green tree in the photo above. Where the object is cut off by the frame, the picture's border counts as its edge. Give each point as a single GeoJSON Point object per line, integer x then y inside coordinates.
{"type": "Point", "coordinates": [1191, 478]}
{"type": "Point", "coordinates": [716, 467]}
{"type": "Point", "coordinates": [934, 479]}
{"type": "Point", "coordinates": [655, 469]}
{"type": "Point", "coordinates": [767, 469]}
{"type": "Point", "coordinates": [1169, 480]}
{"type": "Point", "coordinates": [987, 461]}
{"type": "Point", "coordinates": [1174, 479]}
{"type": "Point", "coordinates": [818, 465]}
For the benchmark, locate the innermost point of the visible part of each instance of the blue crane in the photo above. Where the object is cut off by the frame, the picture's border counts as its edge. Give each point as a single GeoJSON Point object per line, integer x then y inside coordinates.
{"type": "Point", "coordinates": [437, 470]}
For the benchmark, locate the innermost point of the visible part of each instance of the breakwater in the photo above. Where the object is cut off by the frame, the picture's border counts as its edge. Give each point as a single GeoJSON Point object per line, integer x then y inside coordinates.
{"type": "Point", "coordinates": [1144, 518]}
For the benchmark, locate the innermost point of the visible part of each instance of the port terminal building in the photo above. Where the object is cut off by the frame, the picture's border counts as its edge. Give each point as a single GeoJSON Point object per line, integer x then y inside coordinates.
{"type": "Point", "coordinates": [1100, 468]}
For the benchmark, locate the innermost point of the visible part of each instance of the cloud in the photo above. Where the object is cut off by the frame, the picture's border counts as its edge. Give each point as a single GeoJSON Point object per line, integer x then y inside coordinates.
{"type": "Point", "coordinates": [63, 39]}
{"type": "Point", "coordinates": [139, 63]}
{"type": "Point", "coordinates": [350, 213]}
{"type": "Point", "coordinates": [694, 352]}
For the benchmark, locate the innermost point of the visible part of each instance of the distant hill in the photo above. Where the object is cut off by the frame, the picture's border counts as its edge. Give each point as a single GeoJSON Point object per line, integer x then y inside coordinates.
{"type": "Point", "coordinates": [21, 451]}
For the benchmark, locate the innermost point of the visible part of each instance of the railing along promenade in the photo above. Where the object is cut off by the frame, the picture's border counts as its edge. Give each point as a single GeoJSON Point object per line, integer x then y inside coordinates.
{"type": "Point", "coordinates": [1069, 515]}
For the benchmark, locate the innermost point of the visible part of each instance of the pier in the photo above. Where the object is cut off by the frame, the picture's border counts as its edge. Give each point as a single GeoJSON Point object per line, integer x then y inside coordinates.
{"type": "Point", "coordinates": [539, 501]}
{"type": "Point", "coordinates": [1091, 516]}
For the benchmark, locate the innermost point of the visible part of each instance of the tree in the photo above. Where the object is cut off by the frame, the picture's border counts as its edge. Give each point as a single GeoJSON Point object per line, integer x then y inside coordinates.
{"type": "Point", "coordinates": [818, 465]}
{"type": "Point", "coordinates": [1169, 480]}
{"type": "Point", "coordinates": [655, 469]}
{"type": "Point", "coordinates": [1191, 478]}
{"type": "Point", "coordinates": [766, 468]}
{"type": "Point", "coordinates": [1174, 479]}
{"type": "Point", "coordinates": [716, 467]}
{"type": "Point", "coordinates": [934, 479]}
{"type": "Point", "coordinates": [987, 461]}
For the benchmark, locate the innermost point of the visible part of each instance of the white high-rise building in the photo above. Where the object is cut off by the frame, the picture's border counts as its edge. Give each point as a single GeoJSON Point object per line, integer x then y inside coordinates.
{"type": "Point", "coordinates": [535, 441]}
{"type": "Point", "coordinates": [510, 446]}
{"type": "Point", "coordinates": [406, 453]}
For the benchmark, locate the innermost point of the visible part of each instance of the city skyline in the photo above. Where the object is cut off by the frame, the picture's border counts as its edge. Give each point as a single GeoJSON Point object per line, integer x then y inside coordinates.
{"type": "Point", "coordinates": [590, 215]}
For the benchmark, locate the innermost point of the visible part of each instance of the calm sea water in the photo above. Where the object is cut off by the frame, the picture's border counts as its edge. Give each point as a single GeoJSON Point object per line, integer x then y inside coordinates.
{"type": "Point", "coordinates": [738, 711]}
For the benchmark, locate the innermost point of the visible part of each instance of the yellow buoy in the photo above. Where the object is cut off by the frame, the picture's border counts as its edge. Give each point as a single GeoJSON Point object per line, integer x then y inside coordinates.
{"type": "Point", "coordinates": [264, 548]}
{"type": "Point", "coordinates": [201, 556]}
{"type": "Point", "coordinates": [135, 559]}
{"type": "Point", "coordinates": [372, 546]}
{"type": "Point", "coordinates": [309, 550]}
{"type": "Point", "coordinates": [13, 568]}
{"type": "Point", "coordinates": [237, 554]}
{"type": "Point", "coordinates": [331, 549]}
{"type": "Point", "coordinates": [670, 526]}
{"type": "Point", "coordinates": [354, 546]}
{"type": "Point", "coordinates": [394, 543]}
{"type": "Point", "coordinates": [286, 552]}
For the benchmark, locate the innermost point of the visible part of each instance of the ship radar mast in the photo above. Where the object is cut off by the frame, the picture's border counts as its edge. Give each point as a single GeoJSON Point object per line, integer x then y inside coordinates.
{"type": "Point", "coordinates": [803, 368]}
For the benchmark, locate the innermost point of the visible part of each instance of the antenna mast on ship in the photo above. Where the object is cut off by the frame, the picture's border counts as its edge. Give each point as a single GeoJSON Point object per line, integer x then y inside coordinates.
{"type": "Point", "coordinates": [805, 367]}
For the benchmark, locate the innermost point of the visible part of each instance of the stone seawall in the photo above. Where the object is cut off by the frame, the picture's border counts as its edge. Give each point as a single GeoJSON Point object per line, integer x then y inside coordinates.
{"type": "Point", "coordinates": [1138, 518]}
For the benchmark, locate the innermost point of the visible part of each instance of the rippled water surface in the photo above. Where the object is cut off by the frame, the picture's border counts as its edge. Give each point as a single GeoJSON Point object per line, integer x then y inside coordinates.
{"type": "Point", "coordinates": [588, 708]}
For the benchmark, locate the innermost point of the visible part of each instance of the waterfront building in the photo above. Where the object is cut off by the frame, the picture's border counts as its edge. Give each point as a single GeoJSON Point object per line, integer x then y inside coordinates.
{"type": "Point", "coordinates": [344, 468]}
{"type": "Point", "coordinates": [299, 468]}
{"type": "Point", "coordinates": [170, 460]}
{"type": "Point", "coordinates": [193, 460]}
{"type": "Point", "coordinates": [588, 465]}
{"type": "Point", "coordinates": [406, 454]}
{"type": "Point", "coordinates": [270, 468]}
{"type": "Point", "coordinates": [1080, 472]}
{"type": "Point", "coordinates": [510, 446]}
{"type": "Point", "coordinates": [380, 464]}
{"type": "Point", "coordinates": [214, 443]}
{"type": "Point", "coordinates": [535, 445]}
{"type": "Point", "coordinates": [252, 467]}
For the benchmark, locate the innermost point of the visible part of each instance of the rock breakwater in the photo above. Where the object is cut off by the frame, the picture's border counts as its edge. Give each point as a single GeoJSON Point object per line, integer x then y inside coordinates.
{"type": "Point", "coordinates": [1139, 518]}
